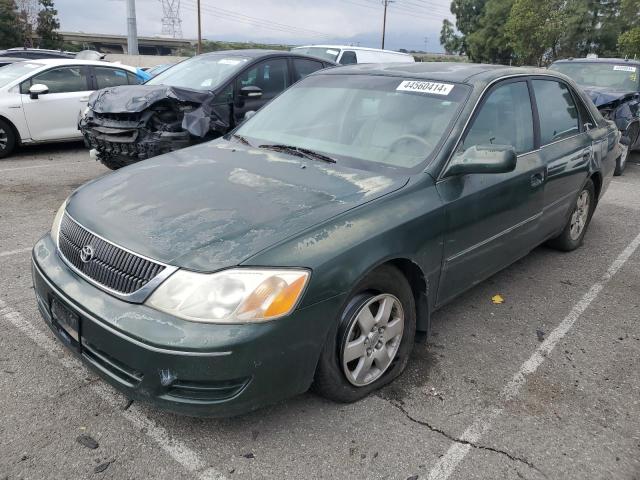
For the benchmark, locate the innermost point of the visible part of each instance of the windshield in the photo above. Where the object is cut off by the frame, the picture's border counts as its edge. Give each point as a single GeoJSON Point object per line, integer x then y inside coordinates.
{"type": "Point", "coordinates": [14, 71]}
{"type": "Point", "coordinates": [319, 52]}
{"type": "Point", "coordinates": [372, 120]}
{"type": "Point", "coordinates": [204, 72]}
{"type": "Point", "coordinates": [610, 75]}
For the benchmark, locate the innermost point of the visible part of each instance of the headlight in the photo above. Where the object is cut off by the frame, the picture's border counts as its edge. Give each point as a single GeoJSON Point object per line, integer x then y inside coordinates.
{"type": "Point", "coordinates": [57, 220]}
{"type": "Point", "coordinates": [232, 296]}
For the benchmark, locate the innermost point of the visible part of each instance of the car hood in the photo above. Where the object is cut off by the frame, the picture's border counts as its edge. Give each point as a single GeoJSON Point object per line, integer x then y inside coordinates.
{"type": "Point", "coordinates": [602, 95]}
{"type": "Point", "coordinates": [213, 205]}
{"type": "Point", "coordinates": [137, 98]}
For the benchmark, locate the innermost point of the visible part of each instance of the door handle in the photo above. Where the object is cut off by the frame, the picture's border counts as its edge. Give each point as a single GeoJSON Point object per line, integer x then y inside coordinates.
{"type": "Point", "coordinates": [537, 179]}
{"type": "Point", "coordinates": [84, 99]}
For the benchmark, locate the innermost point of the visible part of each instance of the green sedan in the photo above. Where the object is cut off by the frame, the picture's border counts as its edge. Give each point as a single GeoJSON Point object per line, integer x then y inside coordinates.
{"type": "Point", "coordinates": [307, 248]}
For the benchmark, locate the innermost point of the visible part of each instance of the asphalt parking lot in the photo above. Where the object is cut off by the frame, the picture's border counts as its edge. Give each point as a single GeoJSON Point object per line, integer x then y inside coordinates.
{"type": "Point", "coordinates": [544, 385]}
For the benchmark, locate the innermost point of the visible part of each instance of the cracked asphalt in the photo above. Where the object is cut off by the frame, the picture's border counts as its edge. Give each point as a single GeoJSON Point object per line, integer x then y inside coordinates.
{"type": "Point", "coordinates": [577, 416]}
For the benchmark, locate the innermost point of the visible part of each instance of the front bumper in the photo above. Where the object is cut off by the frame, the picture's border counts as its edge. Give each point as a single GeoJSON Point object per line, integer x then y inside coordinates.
{"type": "Point", "coordinates": [185, 367]}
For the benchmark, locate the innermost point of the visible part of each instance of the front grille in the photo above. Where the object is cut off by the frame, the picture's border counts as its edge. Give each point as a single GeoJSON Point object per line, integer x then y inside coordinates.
{"type": "Point", "coordinates": [109, 266]}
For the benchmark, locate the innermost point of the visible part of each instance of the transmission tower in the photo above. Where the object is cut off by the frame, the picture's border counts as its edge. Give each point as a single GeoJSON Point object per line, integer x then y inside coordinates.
{"type": "Point", "coordinates": [171, 22]}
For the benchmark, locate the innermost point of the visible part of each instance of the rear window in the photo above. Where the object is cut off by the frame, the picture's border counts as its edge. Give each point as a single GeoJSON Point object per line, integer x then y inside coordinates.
{"type": "Point", "coordinates": [320, 52]}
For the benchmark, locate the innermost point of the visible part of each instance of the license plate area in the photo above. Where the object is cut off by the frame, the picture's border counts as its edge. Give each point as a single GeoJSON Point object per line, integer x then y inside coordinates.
{"type": "Point", "coordinates": [67, 323]}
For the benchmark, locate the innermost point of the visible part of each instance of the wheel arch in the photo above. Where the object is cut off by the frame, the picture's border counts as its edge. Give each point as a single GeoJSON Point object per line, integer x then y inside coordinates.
{"type": "Point", "coordinates": [419, 287]}
{"type": "Point", "coordinates": [13, 128]}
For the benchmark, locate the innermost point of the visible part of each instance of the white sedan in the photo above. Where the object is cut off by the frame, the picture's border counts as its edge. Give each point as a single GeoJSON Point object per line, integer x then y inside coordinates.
{"type": "Point", "coordinates": [41, 100]}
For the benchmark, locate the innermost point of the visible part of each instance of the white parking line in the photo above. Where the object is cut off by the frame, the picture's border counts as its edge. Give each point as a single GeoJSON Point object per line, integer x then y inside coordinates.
{"type": "Point", "coordinates": [14, 252]}
{"type": "Point", "coordinates": [51, 164]}
{"type": "Point", "coordinates": [176, 449]}
{"type": "Point", "coordinates": [456, 453]}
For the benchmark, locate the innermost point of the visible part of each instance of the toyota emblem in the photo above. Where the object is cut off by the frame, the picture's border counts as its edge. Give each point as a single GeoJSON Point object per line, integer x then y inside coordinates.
{"type": "Point", "coordinates": [86, 254]}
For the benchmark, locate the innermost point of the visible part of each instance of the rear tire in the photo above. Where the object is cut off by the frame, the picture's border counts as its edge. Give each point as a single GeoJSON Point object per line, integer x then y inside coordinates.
{"type": "Point", "coordinates": [114, 162]}
{"type": "Point", "coordinates": [359, 356]}
{"type": "Point", "coordinates": [576, 227]}
{"type": "Point", "coordinates": [8, 139]}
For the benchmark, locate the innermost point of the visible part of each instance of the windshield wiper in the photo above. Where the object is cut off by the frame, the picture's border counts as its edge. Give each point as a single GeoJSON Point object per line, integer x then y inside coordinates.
{"type": "Point", "coordinates": [241, 139]}
{"type": "Point", "coordinates": [300, 152]}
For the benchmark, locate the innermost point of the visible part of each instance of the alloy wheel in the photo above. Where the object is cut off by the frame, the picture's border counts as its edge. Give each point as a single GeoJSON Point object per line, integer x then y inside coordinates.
{"type": "Point", "coordinates": [4, 139]}
{"type": "Point", "coordinates": [373, 339]}
{"type": "Point", "coordinates": [580, 215]}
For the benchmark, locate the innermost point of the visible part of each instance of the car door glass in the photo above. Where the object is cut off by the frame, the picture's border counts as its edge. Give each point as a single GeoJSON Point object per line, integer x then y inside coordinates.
{"type": "Point", "coordinates": [59, 80]}
{"type": "Point", "coordinates": [134, 79]}
{"type": "Point", "coordinates": [303, 67]}
{"type": "Point", "coordinates": [557, 111]}
{"type": "Point", "coordinates": [505, 118]}
{"type": "Point", "coordinates": [348, 58]}
{"type": "Point", "coordinates": [271, 76]}
{"type": "Point", "coordinates": [110, 77]}
{"type": "Point", "coordinates": [585, 116]}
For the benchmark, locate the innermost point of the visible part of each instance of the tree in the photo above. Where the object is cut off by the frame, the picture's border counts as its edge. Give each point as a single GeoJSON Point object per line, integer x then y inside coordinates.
{"type": "Point", "coordinates": [28, 18]}
{"type": "Point", "coordinates": [534, 29]}
{"type": "Point", "coordinates": [468, 14]}
{"type": "Point", "coordinates": [448, 38]}
{"type": "Point", "coordinates": [629, 43]}
{"type": "Point", "coordinates": [10, 35]}
{"type": "Point", "coordinates": [47, 25]}
{"type": "Point", "coordinates": [489, 42]}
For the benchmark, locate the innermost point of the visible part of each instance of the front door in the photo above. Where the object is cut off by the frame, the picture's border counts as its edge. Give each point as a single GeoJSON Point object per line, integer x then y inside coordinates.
{"type": "Point", "coordinates": [271, 76]}
{"type": "Point", "coordinates": [54, 115]}
{"type": "Point", "coordinates": [492, 218]}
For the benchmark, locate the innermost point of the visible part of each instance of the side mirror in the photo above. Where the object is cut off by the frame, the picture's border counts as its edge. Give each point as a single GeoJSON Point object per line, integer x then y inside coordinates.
{"type": "Point", "coordinates": [483, 159]}
{"type": "Point", "coordinates": [251, 91]}
{"type": "Point", "coordinates": [249, 114]}
{"type": "Point", "coordinates": [37, 90]}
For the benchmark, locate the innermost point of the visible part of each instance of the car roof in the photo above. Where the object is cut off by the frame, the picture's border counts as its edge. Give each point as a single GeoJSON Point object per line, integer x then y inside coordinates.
{"type": "Point", "coordinates": [53, 62]}
{"type": "Point", "coordinates": [259, 53]}
{"type": "Point", "coordinates": [351, 47]}
{"type": "Point", "coordinates": [442, 71]}
{"type": "Point", "coordinates": [599, 60]}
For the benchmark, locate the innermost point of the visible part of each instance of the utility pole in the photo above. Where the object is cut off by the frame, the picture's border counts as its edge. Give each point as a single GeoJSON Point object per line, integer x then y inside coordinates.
{"type": "Point", "coordinates": [132, 31]}
{"type": "Point", "coordinates": [199, 31]}
{"type": "Point", "coordinates": [384, 20]}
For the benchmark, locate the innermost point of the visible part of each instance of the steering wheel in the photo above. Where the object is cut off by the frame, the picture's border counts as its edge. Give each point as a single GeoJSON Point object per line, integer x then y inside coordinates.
{"type": "Point", "coordinates": [410, 137]}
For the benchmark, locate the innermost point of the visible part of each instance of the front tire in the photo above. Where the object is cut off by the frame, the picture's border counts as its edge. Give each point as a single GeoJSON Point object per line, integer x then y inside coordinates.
{"type": "Point", "coordinates": [576, 227]}
{"type": "Point", "coordinates": [8, 139]}
{"type": "Point", "coordinates": [370, 344]}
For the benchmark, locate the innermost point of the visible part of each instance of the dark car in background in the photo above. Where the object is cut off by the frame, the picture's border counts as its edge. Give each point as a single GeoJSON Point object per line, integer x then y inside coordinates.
{"type": "Point", "coordinates": [614, 87]}
{"type": "Point", "coordinates": [196, 100]}
{"type": "Point", "coordinates": [311, 243]}
{"type": "Point", "coordinates": [35, 53]}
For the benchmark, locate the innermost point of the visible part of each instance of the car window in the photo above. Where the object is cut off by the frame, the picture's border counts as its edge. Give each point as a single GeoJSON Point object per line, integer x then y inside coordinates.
{"type": "Point", "coordinates": [303, 67]}
{"type": "Point", "coordinates": [505, 118]}
{"type": "Point", "coordinates": [271, 76]}
{"type": "Point", "coordinates": [348, 57]}
{"type": "Point", "coordinates": [557, 111]}
{"type": "Point", "coordinates": [366, 120]}
{"type": "Point", "coordinates": [59, 80]}
{"type": "Point", "coordinates": [133, 79]}
{"type": "Point", "coordinates": [110, 77]}
{"type": "Point", "coordinates": [599, 74]}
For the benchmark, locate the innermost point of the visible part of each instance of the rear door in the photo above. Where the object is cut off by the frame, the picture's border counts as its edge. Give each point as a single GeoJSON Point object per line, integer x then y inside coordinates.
{"type": "Point", "coordinates": [492, 219]}
{"type": "Point", "coordinates": [271, 76]}
{"type": "Point", "coordinates": [105, 77]}
{"type": "Point", "coordinates": [303, 67]}
{"type": "Point", "coordinates": [566, 149]}
{"type": "Point", "coordinates": [54, 115]}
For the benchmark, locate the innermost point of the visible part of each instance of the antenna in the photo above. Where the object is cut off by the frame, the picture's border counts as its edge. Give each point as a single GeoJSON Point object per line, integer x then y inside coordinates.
{"type": "Point", "coordinates": [171, 22]}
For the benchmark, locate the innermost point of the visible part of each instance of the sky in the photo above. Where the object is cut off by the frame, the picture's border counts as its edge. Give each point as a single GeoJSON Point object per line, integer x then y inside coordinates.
{"type": "Point", "coordinates": [409, 22]}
